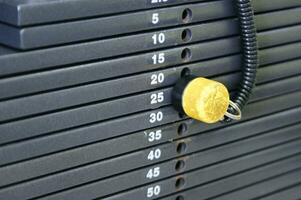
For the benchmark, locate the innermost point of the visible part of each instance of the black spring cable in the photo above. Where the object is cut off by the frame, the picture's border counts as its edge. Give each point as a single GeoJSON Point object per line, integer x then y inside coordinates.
{"type": "Point", "coordinates": [248, 35]}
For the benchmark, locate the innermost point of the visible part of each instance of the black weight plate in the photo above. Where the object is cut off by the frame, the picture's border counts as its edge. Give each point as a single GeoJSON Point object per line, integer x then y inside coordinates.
{"type": "Point", "coordinates": [270, 186]}
{"type": "Point", "coordinates": [23, 12]}
{"type": "Point", "coordinates": [91, 113]}
{"type": "Point", "coordinates": [203, 176]}
{"type": "Point", "coordinates": [249, 145]}
{"type": "Point", "coordinates": [291, 193]}
{"type": "Point", "coordinates": [13, 61]}
{"type": "Point", "coordinates": [231, 183]}
{"type": "Point", "coordinates": [56, 142]}
{"type": "Point", "coordinates": [62, 33]}
{"type": "Point", "coordinates": [60, 78]}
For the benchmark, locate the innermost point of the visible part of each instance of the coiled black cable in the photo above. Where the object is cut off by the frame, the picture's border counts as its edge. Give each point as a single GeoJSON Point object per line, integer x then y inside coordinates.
{"type": "Point", "coordinates": [248, 35]}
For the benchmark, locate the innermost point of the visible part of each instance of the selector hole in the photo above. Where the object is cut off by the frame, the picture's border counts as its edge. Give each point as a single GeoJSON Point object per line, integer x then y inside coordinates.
{"type": "Point", "coordinates": [186, 35]}
{"type": "Point", "coordinates": [186, 54]}
{"type": "Point", "coordinates": [182, 116]}
{"type": "Point", "coordinates": [182, 130]}
{"type": "Point", "coordinates": [180, 197]}
{"type": "Point", "coordinates": [181, 148]}
{"type": "Point", "coordinates": [185, 72]}
{"type": "Point", "coordinates": [187, 15]}
{"type": "Point", "coordinates": [180, 165]}
{"type": "Point", "coordinates": [180, 183]}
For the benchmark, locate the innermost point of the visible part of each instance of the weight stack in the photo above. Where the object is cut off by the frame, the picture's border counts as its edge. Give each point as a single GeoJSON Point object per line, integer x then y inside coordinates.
{"type": "Point", "coordinates": [86, 110]}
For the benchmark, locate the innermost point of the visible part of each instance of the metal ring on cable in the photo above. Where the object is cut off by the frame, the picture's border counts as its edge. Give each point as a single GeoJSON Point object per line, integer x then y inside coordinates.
{"type": "Point", "coordinates": [237, 110]}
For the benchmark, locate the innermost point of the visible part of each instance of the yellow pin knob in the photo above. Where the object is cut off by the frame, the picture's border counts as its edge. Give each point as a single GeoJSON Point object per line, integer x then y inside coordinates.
{"type": "Point", "coordinates": [201, 99]}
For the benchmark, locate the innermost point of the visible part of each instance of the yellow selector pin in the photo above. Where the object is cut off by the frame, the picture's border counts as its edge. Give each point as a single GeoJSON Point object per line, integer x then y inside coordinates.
{"type": "Point", "coordinates": [202, 99]}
